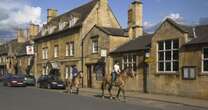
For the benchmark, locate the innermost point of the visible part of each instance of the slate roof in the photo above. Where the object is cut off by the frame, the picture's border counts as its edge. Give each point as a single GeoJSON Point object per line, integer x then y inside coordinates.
{"type": "Point", "coordinates": [182, 27]}
{"type": "Point", "coordinates": [140, 43]}
{"type": "Point", "coordinates": [201, 32]}
{"type": "Point", "coordinates": [81, 12]}
{"type": "Point", "coordinates": [114, 31]}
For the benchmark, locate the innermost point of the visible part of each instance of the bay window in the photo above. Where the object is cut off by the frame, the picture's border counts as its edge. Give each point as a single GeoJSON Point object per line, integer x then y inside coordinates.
{"type": "Point", "coordinates": [168, 56]}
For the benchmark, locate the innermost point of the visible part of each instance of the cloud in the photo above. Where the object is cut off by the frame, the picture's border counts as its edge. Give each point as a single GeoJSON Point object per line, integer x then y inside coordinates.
{"type": "Point", "coordinates": [176, 17]}
{"type": "Point", "coordinates": [147, 24]}
{"type": "Point", "coordinates": [15, 14]}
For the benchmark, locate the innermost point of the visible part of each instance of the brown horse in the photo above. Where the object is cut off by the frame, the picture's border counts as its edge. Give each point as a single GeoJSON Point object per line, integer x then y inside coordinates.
{"type": "Point", "coordinates": [75, 82]}
{"type": "Point", "coordinates": [120, 82]}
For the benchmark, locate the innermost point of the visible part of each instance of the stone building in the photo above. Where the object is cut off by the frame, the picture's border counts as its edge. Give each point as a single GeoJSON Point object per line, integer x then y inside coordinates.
{"type": "Point", "coordinates": [170, 61]}
{"type": "Point", "coordinates": [97, 44]}
{"type": "Point", "coordinates": [59, 44]}
{"type": "Point", "coordinates": [13, 54]}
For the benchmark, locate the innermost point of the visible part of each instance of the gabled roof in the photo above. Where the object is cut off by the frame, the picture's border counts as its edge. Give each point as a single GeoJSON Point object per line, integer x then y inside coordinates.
{"type": "Point", "coordinates": [140, 43]}
{"type": "Point", "coordinates": [182, 27]}
{"type": "Point", "coordinates": [82, 12]}
{"type": "Point", "coordinates": [113, 31]}
{"type": "Point", "coordinates": [201, 32]}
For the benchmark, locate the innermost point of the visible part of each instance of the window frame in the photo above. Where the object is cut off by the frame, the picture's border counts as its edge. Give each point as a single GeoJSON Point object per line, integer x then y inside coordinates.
{"type": "Point", "coordinates": [56, 51]}
{"type": "Point", "coordinates": [95, 49]}
{"type": "Point", "coordinates": [129, 61]}
{"type": "Point", "coordinates": [71, 48]}
{"type": "Point", "coordinates": [45, 53]}
{"type": "Point", "coordinates": [202, 61]}
{"type": "Point", "coordinates": [171, 60]}
{"type": "Point", "coordinates": [189, 75]}
{"type": "Point", "coordinates": [67, 49]}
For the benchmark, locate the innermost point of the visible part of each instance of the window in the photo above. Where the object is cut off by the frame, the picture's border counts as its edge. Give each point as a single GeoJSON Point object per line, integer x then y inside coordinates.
{"type": "Point", "coordinates": [189, 73]}
{"type": "Point", "coordinates": [56, 51]}
{"type": "Point", "coordinates": [129, 61]}
{"type": "Point", "coordinates": [51, 29]}
{"type": "Point", "coordinates": [45, 53]}
{"type": "Point", "coordinates": [72, 21]}
{"type": "Point", "coordinates": [62, 25]}
{"type": "Point", "coordinates": [168, 56]}
{"type": "Point", "coordinates": [94, 45]}
{"type": "Point", "coordinates": [71, 48]}
{"type": "Point", "coordinates": [205, 60]}
{"type": "Point", "coordinates": [43, 71]}
{"type": "Point", "coordinates": [67, 49]}
{"type": "Point", "coordinates": [43, 32]}
{"type": "Point", "coordinates": [99, 70]}
{"type": "Point", "coordinates": [67, 72]}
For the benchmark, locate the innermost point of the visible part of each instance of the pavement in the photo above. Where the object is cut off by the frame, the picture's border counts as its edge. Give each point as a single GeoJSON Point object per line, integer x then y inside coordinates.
{"type": "Point", "coordinates": [158, 97]}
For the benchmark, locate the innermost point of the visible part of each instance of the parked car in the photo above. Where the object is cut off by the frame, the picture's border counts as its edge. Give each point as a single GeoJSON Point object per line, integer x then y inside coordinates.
{"type": "Point", "coordinates": [50, 82]}
{"type": "Point", "coordinates": [14, 81]}
{"type": "Point", "coordinates": [30, 80]}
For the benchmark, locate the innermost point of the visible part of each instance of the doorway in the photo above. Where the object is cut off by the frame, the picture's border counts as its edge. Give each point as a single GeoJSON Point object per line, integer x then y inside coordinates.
{"type": "Point", "coordinates": [89, 75]}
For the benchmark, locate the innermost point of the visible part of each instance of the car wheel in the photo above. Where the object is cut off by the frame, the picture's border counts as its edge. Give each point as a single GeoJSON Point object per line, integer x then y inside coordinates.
{"type": "Point", "coordinates": [49, 86]}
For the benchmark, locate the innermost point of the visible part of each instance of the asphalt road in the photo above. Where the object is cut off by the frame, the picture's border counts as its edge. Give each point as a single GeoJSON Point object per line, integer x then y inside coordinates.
{"type": "Point", "coordinates": [36, 99]}
{"type": "Point", "coordinates": [39, 99]}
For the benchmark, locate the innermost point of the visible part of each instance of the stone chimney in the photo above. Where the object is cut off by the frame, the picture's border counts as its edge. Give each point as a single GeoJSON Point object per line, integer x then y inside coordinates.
{"type": "Point", "coordinates": [103, 13]}
{"type": "Point", "coordinates": [52, 13]}
{"type": "Point", "coordinates": [135, 16]}
{"type": "Point", "coordinates": [33, 31]}
{"type": "Point", "coordinates": [21, 35]}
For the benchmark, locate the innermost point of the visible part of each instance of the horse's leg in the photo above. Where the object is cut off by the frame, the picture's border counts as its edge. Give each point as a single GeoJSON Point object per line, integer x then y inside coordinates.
{"type": "Point", "coordinates": [77, 87]}
{"type": "Point", "coordinates": [118, 94]}
{"type": "Point", "coordinates": [124, 95]}
{"type": "Point", "coordinates": [103, 89]}
{"type": "Point", "coordinates": [70, 89]}
{"type": "Point", "coordinates": [109, 90]}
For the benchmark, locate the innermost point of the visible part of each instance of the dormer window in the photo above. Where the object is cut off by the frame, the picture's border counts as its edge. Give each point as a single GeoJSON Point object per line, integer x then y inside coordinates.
{"type": "Point", "coordinates": [62, 25]}
{"type": "Point", "coordinates": [43, 32]}
{"type": "Point", "coordinates": [51, 29]}
{"type": "Point", "coordinates": [73, 21]}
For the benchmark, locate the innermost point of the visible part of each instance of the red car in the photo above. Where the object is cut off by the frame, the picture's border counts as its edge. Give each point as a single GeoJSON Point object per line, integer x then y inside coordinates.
{"type": "Point", "coordinates": [14, 81]}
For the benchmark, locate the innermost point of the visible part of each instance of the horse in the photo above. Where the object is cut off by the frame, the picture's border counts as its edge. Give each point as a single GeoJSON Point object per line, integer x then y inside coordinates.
{"type": "Point", "coordinates": [75, 82]}
{"type": "Point", "coordinates": [120, 82]}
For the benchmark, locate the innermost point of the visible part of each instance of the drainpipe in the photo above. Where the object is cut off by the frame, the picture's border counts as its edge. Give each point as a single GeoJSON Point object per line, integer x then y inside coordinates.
{"type": "Point", "coordinates": [145, 72]}
{"type": "Point", "coordinates": [82, 60]}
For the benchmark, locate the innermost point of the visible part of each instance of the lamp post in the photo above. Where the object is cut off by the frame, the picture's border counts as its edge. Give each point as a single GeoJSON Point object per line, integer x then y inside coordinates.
{"type": "Point", "coordinates": [145, 70]}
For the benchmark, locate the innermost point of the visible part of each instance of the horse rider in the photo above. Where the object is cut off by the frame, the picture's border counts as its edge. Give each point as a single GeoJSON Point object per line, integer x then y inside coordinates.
{"type": "Point", "coordinates": [116, 71]}
{"type": "Point", "coordinates": [74, 72]}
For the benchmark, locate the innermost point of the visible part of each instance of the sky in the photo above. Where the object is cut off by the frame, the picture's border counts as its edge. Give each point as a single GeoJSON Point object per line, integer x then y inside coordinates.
{"type": "Point", "coordinates": [18, 13]}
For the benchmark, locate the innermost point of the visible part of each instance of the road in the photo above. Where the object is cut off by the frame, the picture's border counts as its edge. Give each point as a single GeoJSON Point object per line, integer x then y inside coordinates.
{"type": "Point", "coordinates": [40, 99]}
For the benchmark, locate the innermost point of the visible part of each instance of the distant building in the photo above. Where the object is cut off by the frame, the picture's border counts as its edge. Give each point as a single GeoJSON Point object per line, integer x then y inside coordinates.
{"type": "Point", "coordinates": [14, 57]}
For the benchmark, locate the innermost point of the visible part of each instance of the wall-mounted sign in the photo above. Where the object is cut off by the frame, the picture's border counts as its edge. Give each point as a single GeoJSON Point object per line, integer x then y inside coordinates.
{"type": "Point", "coordinates": [103, 53]}
{"type": "Point", "coordinates": [30, 50]}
